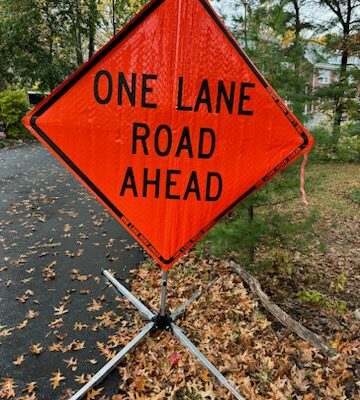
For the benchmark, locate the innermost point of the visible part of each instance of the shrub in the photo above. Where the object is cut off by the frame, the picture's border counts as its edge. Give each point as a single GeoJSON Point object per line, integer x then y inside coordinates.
{"type": "Point", "coordinates": [351, 129]}
{"type": "Point", "coordinates": [339, 148]}
{"type": "Point", "coordinates": [348, 149]}
{"type": "Point", "coordinates": [270, 227]}
{"type": "Point", "coordinates": [324, 149]}
{"type": "Point", "coordinates": [322, 135]}
{"type": "Point", "coordinates": [13, 106]}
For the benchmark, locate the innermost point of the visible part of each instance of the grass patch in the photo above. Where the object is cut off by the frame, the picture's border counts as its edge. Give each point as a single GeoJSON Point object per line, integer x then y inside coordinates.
{"type": "Point", "coordinates": [354, 195]}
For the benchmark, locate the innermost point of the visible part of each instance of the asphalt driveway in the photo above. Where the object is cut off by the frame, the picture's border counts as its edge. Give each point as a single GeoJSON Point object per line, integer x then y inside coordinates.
{"type": "Point", "coordinates": [54, 304]}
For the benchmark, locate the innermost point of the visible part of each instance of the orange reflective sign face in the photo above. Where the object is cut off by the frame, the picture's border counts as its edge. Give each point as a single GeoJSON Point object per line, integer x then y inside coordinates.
{"type": "Point", "coordinates": [170, 125]}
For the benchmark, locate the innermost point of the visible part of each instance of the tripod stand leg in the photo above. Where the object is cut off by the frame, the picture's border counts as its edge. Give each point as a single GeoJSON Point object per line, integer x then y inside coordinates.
{"type": "Point", "coordinates": [191, 300]}
{"type": "Point", "coordinates": [107, 368]}
{"type": "Point", "coordinates": [196, 352]}
{"type": "Point", "coordinates": [144, 311]}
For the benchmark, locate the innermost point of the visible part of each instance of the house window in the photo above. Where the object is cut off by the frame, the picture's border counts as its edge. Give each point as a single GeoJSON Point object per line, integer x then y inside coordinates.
{"type": "Point", "coordinates": [324, 76]}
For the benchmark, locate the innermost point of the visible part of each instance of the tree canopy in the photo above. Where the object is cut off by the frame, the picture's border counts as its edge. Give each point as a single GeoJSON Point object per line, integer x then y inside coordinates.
{"type": "Point", "coordinates": [43, 41]}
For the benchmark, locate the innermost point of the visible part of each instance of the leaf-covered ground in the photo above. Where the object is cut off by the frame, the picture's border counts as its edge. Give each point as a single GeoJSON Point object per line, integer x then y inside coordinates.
{"type": "Point", "coordinates": [262, 360]}
{"type": "Point", "coordinates": [318, 281]}
{"type": "Point", "coordinates": [60, 321]}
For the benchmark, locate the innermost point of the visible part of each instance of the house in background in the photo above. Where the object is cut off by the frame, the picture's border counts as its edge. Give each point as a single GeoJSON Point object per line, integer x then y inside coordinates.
{"type": "Point", "coordinates": [324, 74]}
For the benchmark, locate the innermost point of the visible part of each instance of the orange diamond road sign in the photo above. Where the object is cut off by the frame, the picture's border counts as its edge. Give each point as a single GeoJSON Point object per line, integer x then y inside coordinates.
{"type": "Point", "coordinates": [170, 125]}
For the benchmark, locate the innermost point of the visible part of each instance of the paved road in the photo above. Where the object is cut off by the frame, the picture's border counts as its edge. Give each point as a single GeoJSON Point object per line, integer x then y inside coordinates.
{"type": "Point", "coordinates": [54, 240]}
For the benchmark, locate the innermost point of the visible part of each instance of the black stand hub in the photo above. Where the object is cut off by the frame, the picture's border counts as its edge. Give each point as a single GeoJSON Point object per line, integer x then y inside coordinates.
{"type": "Point", "coordinates": [163, 322]}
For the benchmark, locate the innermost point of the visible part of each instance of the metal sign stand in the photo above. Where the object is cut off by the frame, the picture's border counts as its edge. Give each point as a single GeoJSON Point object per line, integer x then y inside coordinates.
{"type": "Point", "coordinates": [162, 320]}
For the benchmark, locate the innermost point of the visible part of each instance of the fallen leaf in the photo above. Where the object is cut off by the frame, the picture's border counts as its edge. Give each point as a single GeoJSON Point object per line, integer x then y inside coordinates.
{"type": "Point", "coordinates": [31, 396]}
{"type": "Point", "coordinates": [7, 388]}
{"type": "Point", "coordinates": [32, 314]}
{"type": "Point", "coordinates": [71, 363]}
{"type": "Point", "coordinates": [174, 359]}
{"type": "Point", "coordinates": [30, 387]}
{"type": "Point", "coordinates": [140, 383]}
{"type": "Point", "coordinates": [36, 349]}
{"type": "Point", "coordinates": [23, 324]}
{"type": "Point", "coordinates": [94, 305]}
{"type": "Point", "coordinates": [92, 393]}
{"type": "Point", "coordinates": [6, 332]}
{"type": "Point", "coordinates": [76, 345]}
{"type": "Point", "coordinates": [19, 359]}
{"type": "Point", "coordinates": [78, 326]}
{"type": "Point", "coordinates": [82, 378]}
{"type": "Point", "coordinates": [48, 271]}
{"type": "Point", "coordinates": [67, 229]}
{"type": "Point", "coordinates": [55, 347]}
{"type": "Point", "coordinates": [56, 379]}
{"type": "Point", "coordinates": [57, 323]}
{"type": "Point", "coordinates": [60, 310]}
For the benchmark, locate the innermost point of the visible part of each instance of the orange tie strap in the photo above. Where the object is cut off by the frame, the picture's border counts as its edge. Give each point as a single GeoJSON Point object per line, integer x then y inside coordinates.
{"type": "Point", "coordinates": [302, 179]}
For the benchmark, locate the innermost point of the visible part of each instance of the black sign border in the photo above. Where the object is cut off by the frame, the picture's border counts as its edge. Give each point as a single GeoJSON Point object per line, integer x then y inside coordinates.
{"type": "Point", "coordinates": [79, 73]}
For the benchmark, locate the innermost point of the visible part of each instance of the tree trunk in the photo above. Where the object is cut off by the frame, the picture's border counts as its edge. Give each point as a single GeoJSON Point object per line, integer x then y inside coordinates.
{"type": "Point", "coordinates": [297, 22]}
{"type": "Point", "coordinates": [298, 105]}
{"type": "Point", "coordinates": [245, 26]}
{"type": "Point", "coordinates": [77, 34]}
{"type": "Point", "coordinates": [114, 16]}
{"type": "Point", "coordinates": [251, 250]}
{"type": "Point", "coordinates": [78, 47]}
{"type": "Point", "coordinates": [92, 26]}
{"type": "Point", "coordinates": [339, 105]}
{"type": "Point", "coordinates": [344, 18]}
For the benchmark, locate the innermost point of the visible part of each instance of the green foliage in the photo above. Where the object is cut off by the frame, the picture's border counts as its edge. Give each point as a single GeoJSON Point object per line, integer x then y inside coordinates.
{"type": "Point", "coordinates": [319, 299]}
{"type": "Point", "coordinates": [351, 129]}
{"type": "Point", "coordinates": [325, 145]}
{"type": "Point", "coordinates": [312, 296]}
{"type": "Point", "coordinates": [342, 41]}
{"type": "Point", "coordinates": [338, 285]}
{"type": "Point", "coordinates": [275, 33]}
{"type": "Point", "coordinates": [344, 147]}
{"type": "Point", "coordinates": [341, 306]}
{"type": "Point", "coordinates": [13, 106]}
{"type": "Point", "coordinates": [346, 90]}
{"type": "Point", "coordinates": [272, 34]}
{"type": "Point", "coordinates": [238, 235]}
{"type": "Point", "coordinates": [125, 9]}
{"type": "Point", "coordinates": [322, 136]}
{"type": "Point", "coordinates": [35, 45]}
{"type": "Point", "coordinates": [354, 195]}
{"type": "Point", "coordinates": [280, 260]}
{"type": "Point", "coordinates": [235, 234]}
{"type": "Point", "coordinates": [348, 149]}
{"type": "Point", "coordinates": [42, 42]}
